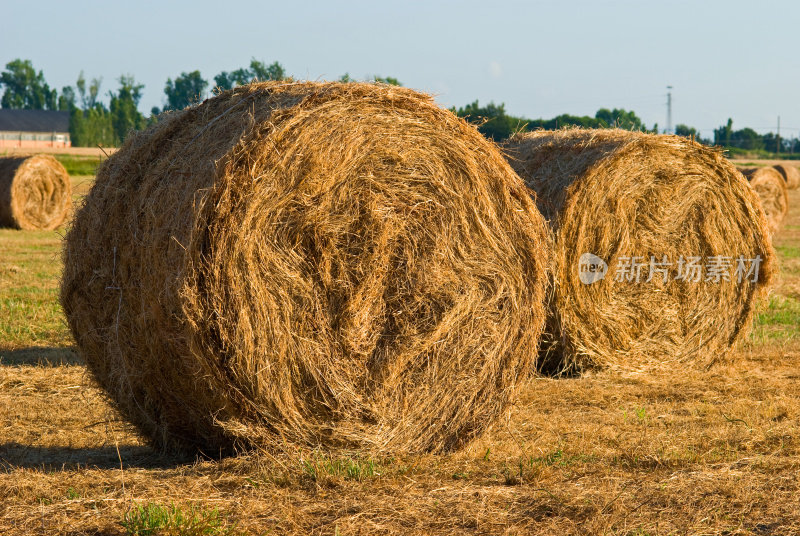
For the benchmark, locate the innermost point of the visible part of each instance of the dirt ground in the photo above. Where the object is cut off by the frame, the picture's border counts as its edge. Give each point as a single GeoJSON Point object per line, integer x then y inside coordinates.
{"type": "Point", "coordinates": [677, 452]}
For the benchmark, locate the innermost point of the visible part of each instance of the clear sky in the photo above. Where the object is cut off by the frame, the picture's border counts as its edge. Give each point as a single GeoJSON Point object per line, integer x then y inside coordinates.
{"type": "Point", "coordinates": [724, 59]}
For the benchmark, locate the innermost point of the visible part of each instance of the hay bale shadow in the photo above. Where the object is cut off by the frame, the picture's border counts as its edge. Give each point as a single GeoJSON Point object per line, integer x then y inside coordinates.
{"type": "Point", "coordinates": [40, 356]}
{"type": "Point", "coordinates": [16, 455]}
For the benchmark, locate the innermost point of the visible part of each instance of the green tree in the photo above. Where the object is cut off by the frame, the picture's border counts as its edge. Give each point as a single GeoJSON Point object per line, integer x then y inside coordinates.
{"type": "Point", "coordinates": [565, 120]}
{"type": "Point", "coordinates": [125, 115]}
{"type": "Point", "coordinates": [91, 124]}
{"type": "Point", "coordinates": [261, 72]}
{"type": "Point", "coordinates": [25, 88]}
{"type": "Point", "coordinates": [392, 81]}
{"type": "Point", "coordinates": [723, 134]}
{"type": "Point", "coordinates": [187, 88]}
{"type": "Point", "coordinates": [687, 131]}
{"type": "Point", "coordinates": [88, 95]}
{"type": "Point", "coordinates": [66, 101]}
{"type": "Point", "coordinates": [619, 118]}
{"type": "Point", "coordinates": [229, 80]}
{"type": "Point", "coordinates": [491, 119]}
{"type": "Point", "coordinates": [747, 138]}
{"type": "Point", "coordinates": [257, 71]}
{"type": "Point", "coordinates": [92, 128]}
{"type": "Point", "coordinates": [774, 144]}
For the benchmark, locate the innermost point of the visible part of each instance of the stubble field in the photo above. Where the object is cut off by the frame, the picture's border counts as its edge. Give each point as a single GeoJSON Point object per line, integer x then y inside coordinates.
{"type": "Point", "coordinates": [683, 451]}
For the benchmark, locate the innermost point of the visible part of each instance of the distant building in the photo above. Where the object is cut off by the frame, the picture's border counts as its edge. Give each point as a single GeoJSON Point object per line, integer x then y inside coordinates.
{"type": "Point", "coordinates": [32, 129]}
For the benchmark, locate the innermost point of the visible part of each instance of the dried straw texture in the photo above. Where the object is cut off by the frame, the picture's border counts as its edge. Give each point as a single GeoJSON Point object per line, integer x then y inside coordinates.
{"type": "Point", "coordinates": [790, 174]}
{"type": "Point", "coordinates": [620, 195]}
{"type": "Point", "coordinates": [35, 192]}
{"type": "Point", "coordinates": [771, 189]}
{"type": "Point", "coordinates": [345, 265]}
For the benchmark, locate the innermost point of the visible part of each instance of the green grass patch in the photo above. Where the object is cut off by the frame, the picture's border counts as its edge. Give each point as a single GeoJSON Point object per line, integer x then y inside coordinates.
{"type": "Point", "coordinates": [779, 320]}
{"type": "Point", "coordinates": [32, 317]}
{"type": "Point", "coordinates": [760, 154]}
{"type": "Point", "coordinates": [79, 165]}
{"type": "Point", "coordinates": [30, 268]}
{"type": "Point", "coordinates": [359, 469]}
{"type": "Point", "coordinates": [788, 252]}
{"type": "Point", "coordinates": [152, 518]}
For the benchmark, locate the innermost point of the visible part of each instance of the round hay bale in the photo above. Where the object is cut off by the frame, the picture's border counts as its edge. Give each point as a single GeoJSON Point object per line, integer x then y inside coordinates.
{"type": "Point", "coordinates": [633, 215]}
{"type": "Point", "coordinates": [314, 264]}
{"type": "Point", "coordinates": [771, 189]}
{"type": "Point", "coordinates": [35, 192]}
{"type": "Point", "coordinates": [790, 174]}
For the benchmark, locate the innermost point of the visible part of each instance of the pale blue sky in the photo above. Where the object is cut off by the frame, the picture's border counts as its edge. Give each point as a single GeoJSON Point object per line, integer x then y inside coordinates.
{"type": "Point", "coordinates": [542, 58]}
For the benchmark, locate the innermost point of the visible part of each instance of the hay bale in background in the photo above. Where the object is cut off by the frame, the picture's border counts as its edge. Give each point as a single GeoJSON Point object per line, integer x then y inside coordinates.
{"type": "Point", "coordinates": [35, 192]}
{"type": "Point", "coordinates": [625, 197]}
{"type": "Point", "coordinates": [345, 265]}
{"type": "Point", "coordinates": [790, 174]}
{"type": "Point", "coordinates": [771, 189]}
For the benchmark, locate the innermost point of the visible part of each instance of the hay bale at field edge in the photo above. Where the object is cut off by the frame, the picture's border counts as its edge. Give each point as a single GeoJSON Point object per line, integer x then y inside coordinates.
{"type": "Point", "coordinates": [35, 192]}
{"type": "Point", "coordinates": [771, 189]}
{"type": "Point", "coordinates": [790, 174]}
{"type": "Point", "coordinates": [628, 212]}
{"type": "Point", "coordinates": [315, 264]}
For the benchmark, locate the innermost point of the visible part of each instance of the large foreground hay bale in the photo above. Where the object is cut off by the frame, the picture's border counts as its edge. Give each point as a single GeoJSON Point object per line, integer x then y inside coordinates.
{"type": "Point", "coordinates": [345, 265]}
{"type": "Point", "coordinates": [35, 192]}
{"type": "Point", "coordinates": [771, 189]}
{"type": "Point", "coordinates": [639, 202]}
{"type": "Point", "coordinates": [790, 174]}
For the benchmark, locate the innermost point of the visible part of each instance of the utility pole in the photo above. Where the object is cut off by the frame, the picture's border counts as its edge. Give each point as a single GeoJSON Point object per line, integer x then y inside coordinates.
{"type": "Point", "coordinates": [669, 110]}
{"type": "Point", "coordinates": [778, 137]}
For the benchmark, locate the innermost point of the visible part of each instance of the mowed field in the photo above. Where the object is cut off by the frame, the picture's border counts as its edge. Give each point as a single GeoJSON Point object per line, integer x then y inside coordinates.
{"type": "Point", "coordinates": [682, 451]}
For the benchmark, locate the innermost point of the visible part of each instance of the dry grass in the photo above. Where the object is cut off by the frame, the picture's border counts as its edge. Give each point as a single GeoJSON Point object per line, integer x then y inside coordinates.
{"type": "Point", "coordinates": [346, 265]}
{"type": "Point", "coordinates": [676, 452]}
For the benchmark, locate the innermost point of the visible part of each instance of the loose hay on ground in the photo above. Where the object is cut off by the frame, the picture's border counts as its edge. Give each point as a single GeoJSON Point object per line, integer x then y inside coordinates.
{"type": "Point", "coordinates": [344, 265]}
{"type": "Point", "coordinates": [35, 192]}
{"type": "Point", "coordinates": [771, 189]}
{"type": "Point", "coordinates": [626, 196]}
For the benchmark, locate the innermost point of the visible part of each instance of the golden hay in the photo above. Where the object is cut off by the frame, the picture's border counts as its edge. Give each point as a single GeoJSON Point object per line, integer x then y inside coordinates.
{"type": "Point", "coordinates": [343, 265]}
{"type": "Point", "coordinates": [643, 204]}
{"type": "Point", "coordinates": [771, 189]}
{"type": "Point", "coordinates": [790, 174]}
{"type": "Point", "coordinates": [35, 192]}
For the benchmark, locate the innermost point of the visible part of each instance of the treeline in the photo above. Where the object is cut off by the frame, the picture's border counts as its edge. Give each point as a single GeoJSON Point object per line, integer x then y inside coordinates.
{"type": "Point", "coordinates": [94, 122]}
{"type": "Point", "coordinates": [494, 122]}
{"type": "Point", "coordinates": [106, 123]}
